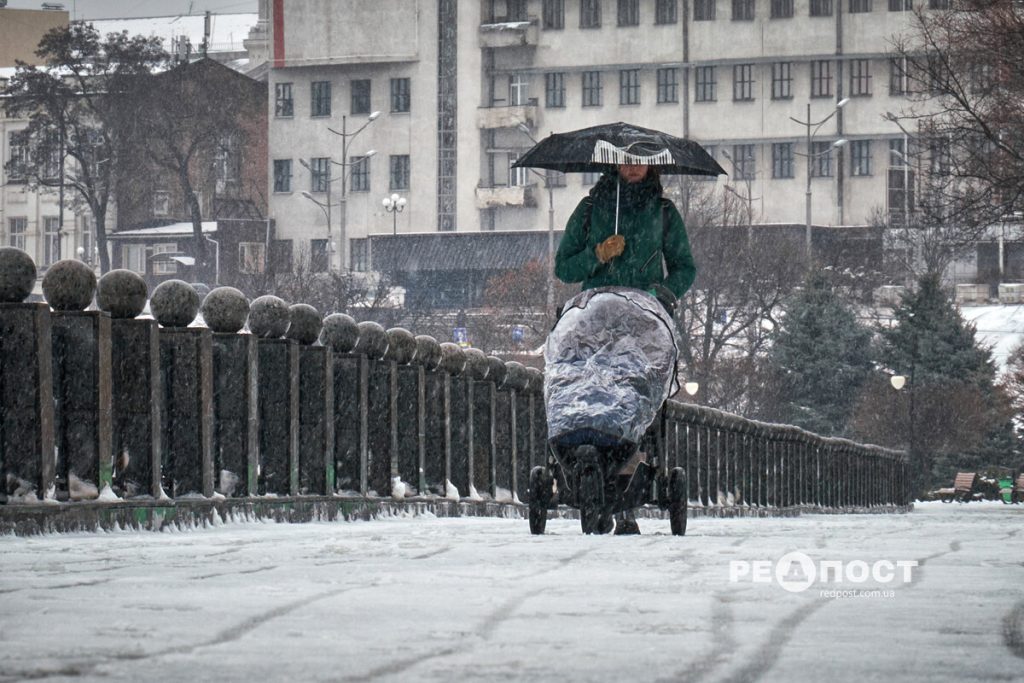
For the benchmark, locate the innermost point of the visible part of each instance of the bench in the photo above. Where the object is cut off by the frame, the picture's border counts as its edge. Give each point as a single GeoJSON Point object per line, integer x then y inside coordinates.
{"type": "Point", "coordinates": [963, 488]}
{"type": "Point", "coordinates": [1017, 494]}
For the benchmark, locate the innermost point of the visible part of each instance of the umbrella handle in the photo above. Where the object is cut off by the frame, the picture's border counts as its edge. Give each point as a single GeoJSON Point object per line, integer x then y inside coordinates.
{"type": "Point", "coordinates": [618, 191]}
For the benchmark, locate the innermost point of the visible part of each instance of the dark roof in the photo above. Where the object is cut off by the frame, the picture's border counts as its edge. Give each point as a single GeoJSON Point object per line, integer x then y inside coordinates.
{"type": "Point", "coordinates": [449, 251]}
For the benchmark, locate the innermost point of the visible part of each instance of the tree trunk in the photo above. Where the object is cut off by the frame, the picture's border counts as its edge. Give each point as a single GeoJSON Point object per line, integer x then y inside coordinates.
{"type": "Point", "coordinates": [202, 271]}
{"type": "Point", "coordinates": [100, 217]}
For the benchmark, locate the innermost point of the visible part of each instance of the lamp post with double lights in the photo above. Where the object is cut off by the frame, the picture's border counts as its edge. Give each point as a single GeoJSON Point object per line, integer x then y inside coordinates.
{"type": "Point", "coordinates": [346, 138]}
{"type": "Point", "coordinates": [394, 205]}
{"type": "Point", "coordinates": [748, 178]}
{"type": "Point", "coordinates": [326, 206]}
{"type": "Point", "coordinates": [812, 129]}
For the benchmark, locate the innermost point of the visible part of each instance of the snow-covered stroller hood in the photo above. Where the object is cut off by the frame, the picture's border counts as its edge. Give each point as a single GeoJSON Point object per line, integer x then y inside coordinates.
{"type": "Point", "coordinates": [610, 363]}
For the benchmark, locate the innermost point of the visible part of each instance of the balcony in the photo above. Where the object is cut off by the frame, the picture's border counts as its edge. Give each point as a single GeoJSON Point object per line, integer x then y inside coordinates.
{"type": "Point", "coordinates": [501, 34]}
{"type": "Point", "coordinates": [489, 118]}
{"type": "Point", "coordinates": [508, 195]}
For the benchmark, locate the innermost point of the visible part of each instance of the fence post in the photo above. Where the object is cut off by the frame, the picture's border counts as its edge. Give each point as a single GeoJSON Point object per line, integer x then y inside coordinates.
{"type": "Point", "coordinates": [430, 417]}
{"type": "Point", "coordinates": [340, 333]}
{"type": "Point", "coordinates": [507, 434]}
{"type": "Point", "coordinates": [376, 469]}
{"type": "Point", "coordinates": [518, 379]}
{"type": "Point", "coordinates": [406, 407]}
{"type": "Point", "coordinates": [538, 419]}
{"type": "Point", "coordinates": [453, 365]}
{"type": "Point", "coordinates": [462, 410]}
{"type": "Point", "coordinates": [316, 402]}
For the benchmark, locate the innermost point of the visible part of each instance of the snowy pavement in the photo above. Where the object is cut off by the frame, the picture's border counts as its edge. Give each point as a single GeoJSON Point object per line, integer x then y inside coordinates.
{"type": "Point", "coordinates": [444, 599]}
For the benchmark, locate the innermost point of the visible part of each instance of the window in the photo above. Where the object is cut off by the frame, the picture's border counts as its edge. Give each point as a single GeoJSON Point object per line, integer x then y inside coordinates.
{"type": "Point", "coordinates": [282, 175]}
{"type": "Point", "coordinates": [821, 159]}
{"type": "Point", "coordinates": [517, 177]}
{"type": "Point", "coordinates": [19, 157]}
{"type": "Point", "coordinates": [860, 158]}
{"type": "Point", "coordinates": [518, 89]}
{"type": "Point", "coordinates": [900, 5]}
{"type": "Point", "coordinates": [283, 103]}
{"type": "Point", "coordinates": [319, 174]}
{"type": "Point", "coordinates": [860, 77]}
{"type": "Point", "coordinates": [782, 81]}
{"type": "Point", "coordinates": [590, 13]}
{"type": "Point", "coordinates": [399, 95]}
{"type": "Point", "coordinates": [51, 156]}
{"type": "Point", "coordinates": [665, 11]}
{"type": "Point", "coordinates": [821, 78]}
{"type": "Point", "coordinates": [782, 160]}
{"type": "Point", "coordinates": [227, 162]}
{"type": "Point", "coordinates": [359, 256]}
{"type": "Point", "coordinates": [320, 98]}
{"type": "Point", "coordinates": [360, 173]}
{"type": "Point", "coordinates": [133, 257]}
{"type": "Point", "coordinates": [938, 4]}
{"type": "Point", "coordinates": [898, 84]}
{"type": "Point", "coordinates": [168, 266]}
{"type": "Point", "coordinates": [252, 257]}
{"type": "Point", "coordinates": [318, 260]}
{"type": "Point", "coordinates": [742, 10]}
{"type": "Point", "coordinates": [668, 85]}
{"type": "Point", "coordinates": [554, 90]}
{"type": "Point", "coordinates": [898, 153]}
{"type": "Point", "coordinates": [592, 89]}
{"type": "Point", "coordinates": [703, 10]}
{"type": "Point", "coordinates": [361, 96]}
{"type": "Point", "coordinates": [629, 86]}
{"type": "Point", "coordinates": [743, 82]}
{"type": "Point", "coordinates": [399, 172]}
{"type": "Point", "coordinates": [940, 154]}
{"type": "Point", "coordinates": [782, 9]}
{"type": "Point", "coordinates": [590, 178]}
{"type": "Point", "coordinates": [629, 12]}
{"type": "Point", "coordinates": [860, 6]}
{"type": "Point", "coordinates": [161, 203]}
{"type": "Point", "coordinates": [705, 84]}
{"type": "Point", "coordinates": [745, 161]}
{"type": "Point", "coordinates": [821, 8]}
{"type": "Point", "coordinates": [51, 240]}
{"type": "Point", "coordinates": [554, 178]}
{"type": "Point", "coordinates": [553, 12]}
{"type": "Point", "coordinates": [980, 78]}
{"type": "Point", "coordinates": [515, 10]}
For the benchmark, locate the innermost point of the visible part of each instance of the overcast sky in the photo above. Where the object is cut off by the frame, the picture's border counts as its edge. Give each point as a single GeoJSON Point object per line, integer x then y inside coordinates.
{"type": "Point", "coordinates": [117, 9]}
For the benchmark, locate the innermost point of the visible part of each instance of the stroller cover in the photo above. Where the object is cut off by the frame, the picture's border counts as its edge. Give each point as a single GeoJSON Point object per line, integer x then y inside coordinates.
{"type": "Point", "coordinates": [610, 363]}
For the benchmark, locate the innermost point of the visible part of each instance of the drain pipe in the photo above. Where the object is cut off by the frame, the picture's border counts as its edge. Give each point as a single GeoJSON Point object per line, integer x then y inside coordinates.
{"type": "Point", "coordinates": [216, 261]}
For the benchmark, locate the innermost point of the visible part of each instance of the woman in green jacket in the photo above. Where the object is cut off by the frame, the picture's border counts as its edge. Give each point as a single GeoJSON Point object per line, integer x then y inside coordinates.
{"type": "Point", "coordinates": [650, 233]}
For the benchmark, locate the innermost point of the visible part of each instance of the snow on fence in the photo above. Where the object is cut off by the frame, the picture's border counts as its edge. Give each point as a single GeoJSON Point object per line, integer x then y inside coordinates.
{"type": "Point", "coordinates": [105, 404]}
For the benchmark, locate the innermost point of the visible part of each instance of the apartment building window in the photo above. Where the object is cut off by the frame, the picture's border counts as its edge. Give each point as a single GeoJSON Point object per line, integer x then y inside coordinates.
{"type": "Point", "coordinates": [705, 84]}
{"type": "Point", "coordinates": [821, 8]}
{"type": "Point", "coordinates": [161, 203]}
{"type": "Point", "coordinates": [282, 175]}
{"type": "Point", "coordinates": [860, 6]}
{"type": "Point", "coordinates": [782, 160]}
{"type": "Point", "coordinates": [518, 89]}
{"type": "Point", "coordinates": [554, 178]}
{"type": "Point", "coordinates": [590, 13]}
{"type": "Point", "coordinates": [318, 256]}
{"type": "Point", "coordinates": [252, 258]}
{"type": "Point", "coordinates": [898, 153]}
{"type": "Point", "coordinates": [359, 254]}
{"type": "Point", "coordinates": [553, 14]}
{"type": "Point", "coordinates": [782, 9]}
{"type": "Point", "coordinates": [742, 10]}
{"type": "Point", "coordinates": [782, 81]}
{"type": "Point", "coordinates": [745, 160]}
{"type": "Point", "coordinates": [592, 89]}
{"type": "Point", "coordinates": [704, 10]}
{"type": "Point", "coordinates": [360, 96]}
{"type": "Point", "coordinates": [900, 5]}
{"type": "Point", "coordinates": [517, 177]}
{"type": "Point", "coordinates": [399, 172]}
{"type": "Point", "coordinates": [16, 229]}
{"type": "Point", "coordinates": [668, 85]}
{"type": "Point", "coordinates": [360, 173]}
{"type": "Point", "coordinates": [821, 159]}
{"type": "Point", "coordinates": [516, 10]}
{"type": "Point", "coordinates": [400, 95]}
{"type": "Point", "coordinates": [284, 105]}
{"type": "Point", "coordinates": [133, 257]}
{"type": "Point", "coordinates": [860, 158]}
{"type": "Point", "coordinates": [320, 98]}
{"type": "Point", "coordinates": [980, 78]}
{"type": "Point", "coordinates": [940, 154]}
{"type": "Point", "coordinates": [665, 11]}
{"type": "Point", "coordinates": [18, 157]}
{"type": "Point", "coordinates": [898, 80]}
{"type": "Point", "coordinates": [51, 156]}
{"type": "Point", "coordinates": [743, 82]}
{"type": "Point", "coordinates": [629, 86]}
{"type": "Point", "coordinates": [860, 77]}
{"type": "Point", "coordinates": [821, 78]}
{"type": "Point", "coordinates": [554, 90]}
{"type": "Point", "coordinates": [319, 174]}
{"type": "Point", "coordinates": [51, 240]}
{"type": "Point", "coordinates": [629, 12]}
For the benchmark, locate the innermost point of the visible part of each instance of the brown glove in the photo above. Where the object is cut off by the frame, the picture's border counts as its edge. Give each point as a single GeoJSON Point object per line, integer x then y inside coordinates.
{"type": "Point", "coordinates": [610, 248]}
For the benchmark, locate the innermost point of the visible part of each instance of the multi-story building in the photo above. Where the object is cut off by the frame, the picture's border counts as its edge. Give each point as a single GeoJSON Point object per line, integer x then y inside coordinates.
{"type": "Point", "coordinates": [464, 87]}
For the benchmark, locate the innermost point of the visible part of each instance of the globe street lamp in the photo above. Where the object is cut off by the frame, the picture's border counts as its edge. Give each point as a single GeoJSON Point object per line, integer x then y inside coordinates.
{"type": "Point", "coordinates": [692, 388]}
{"type": "Point", "coordinates": [811, 156]}
{"type": "Point", "coordinates": [394, 205]}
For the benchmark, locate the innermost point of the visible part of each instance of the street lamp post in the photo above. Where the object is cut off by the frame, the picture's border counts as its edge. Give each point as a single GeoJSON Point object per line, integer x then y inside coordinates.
{"type": "Point", "coordinates": [748, 199]}
{"type": "Point", "coordinates": [394, 205]}
{"type": "Point", "coordinates": [328, 205]}
{"type": "Point", "coordinates": [551, 226]}
{"type": "Point", "coordinates": [812, 130]}
{"type": "Point", "coordinates": [346, 138]}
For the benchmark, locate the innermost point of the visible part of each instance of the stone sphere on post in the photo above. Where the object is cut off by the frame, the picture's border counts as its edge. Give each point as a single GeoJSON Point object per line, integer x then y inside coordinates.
{"type": "Point", "coordinates": [372, 342]}
{"type": "Point", "coordinates": [304, 324]}
{"type": "Point", "coordinates": [496, 370]}
{"type": "Point", "coordinates": [401, 345]}
{"type": "Point", "coordinates": [122, 294]}
{"type": "Point", "coordinates": [225, 310]}
{"type": "Point", "coordinates": [202, 289]}
{"type": "Point", "coordinates": [453, 359]}
{"type": "Point", "coordinates": [174, 303]}
{"type": "Point", "coordinates": [17, 275]}
{"type": "Point", "coordinates": [516, 376]}
{"type": "Point", "coordinates": [268, 317]}
{"type": "Point", "coordinates": [536, 381]}
{"type": "Point", "coordinates": [476, 363]}
{"type": "Point", "coordinates": [428, 352]}
{"type": "Point", "coordinates": [69, 285]}
{"type": "Point", "coordinates": [340, 332]}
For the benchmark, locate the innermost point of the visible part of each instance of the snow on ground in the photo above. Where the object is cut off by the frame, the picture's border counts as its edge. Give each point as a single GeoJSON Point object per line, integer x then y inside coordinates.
{"type": "Point", "coordinates": [441, 599]}
{"type": "Point", "coordinates": [1001, 327]}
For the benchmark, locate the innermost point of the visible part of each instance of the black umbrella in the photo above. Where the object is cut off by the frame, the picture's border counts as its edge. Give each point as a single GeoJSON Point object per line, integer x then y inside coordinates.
{"type": "Point", "coordinates": [602, 148]}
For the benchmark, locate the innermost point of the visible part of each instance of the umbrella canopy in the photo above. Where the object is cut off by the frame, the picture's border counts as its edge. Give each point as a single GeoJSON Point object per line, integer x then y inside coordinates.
{"type": "Point", "coordinates": [604, 147]}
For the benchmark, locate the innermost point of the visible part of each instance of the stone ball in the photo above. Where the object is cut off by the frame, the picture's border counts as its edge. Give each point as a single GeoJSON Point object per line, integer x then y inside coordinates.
{"type": "Point", "coordinates": [304, 324]}
{"type": "Point", "coordinates": [340, 332]}
{"type": "Point", "coordinates": [428, 352]}
{"type": "Point", "coordinates": [268, 317]}
{"type": "Point", "coordinates": [536, 381]}
{"type": "Point", "coordinates": [401, 345]}
{"type": "Point", "coordinates": [69, 285]}
{"type": "Point", "coordinates": [476, 363]}
{"type": "Point", "coordinates": [122, 293]}
{"type": "Point", "coordinates": [453, 359]}
{"type": "Point", "coordinates": [201, 288]}
{"type": "Point", "coordinates": [174, 303]}
{"type": "Point", "coordinates": [17, 275]}
{"type": "Point", "coordinates": [225, 310]}
{"type": "Point", "coordinates": [495, 370]}
{"type": "Point", "coordinates": [372, 342]}
{"type": "Point", "coordinates": [516, 376]}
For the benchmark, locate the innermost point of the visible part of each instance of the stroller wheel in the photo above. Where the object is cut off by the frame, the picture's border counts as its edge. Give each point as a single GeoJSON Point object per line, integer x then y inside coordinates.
{"type": "Point", "coordinates": [540, 497]}
{"type": "Point", "coordinates": [677, 501]}
{"type": "Point", "coordinates": [590, 487]}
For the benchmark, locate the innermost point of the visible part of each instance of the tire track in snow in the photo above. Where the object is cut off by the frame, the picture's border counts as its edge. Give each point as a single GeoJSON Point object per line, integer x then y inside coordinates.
{"type": "Point", "coordinates": [1013, 630]}
{"type": "Point", "coordinates": [254, 570]}
{"type": "Point", "coordinates": [723, 642]}
{"type": "Point", "coordinates": [769, 652]}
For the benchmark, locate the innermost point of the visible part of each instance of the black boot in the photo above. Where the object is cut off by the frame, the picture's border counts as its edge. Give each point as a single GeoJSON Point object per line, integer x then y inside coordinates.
{"type": "Point", "coordinates": [625, 525]}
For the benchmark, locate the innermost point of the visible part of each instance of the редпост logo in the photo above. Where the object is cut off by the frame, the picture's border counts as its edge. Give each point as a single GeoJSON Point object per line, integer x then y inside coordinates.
{"type": "Point", "coordinates": [796, 572]}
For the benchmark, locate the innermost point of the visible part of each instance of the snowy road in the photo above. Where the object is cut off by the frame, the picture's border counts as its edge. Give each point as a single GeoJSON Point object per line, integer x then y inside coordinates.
{"type": "Point", "coordinates": [439, 600]}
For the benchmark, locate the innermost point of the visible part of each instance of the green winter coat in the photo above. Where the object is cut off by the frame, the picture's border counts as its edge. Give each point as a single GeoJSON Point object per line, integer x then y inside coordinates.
{"type": "Point", "coordinates": [653, 230]}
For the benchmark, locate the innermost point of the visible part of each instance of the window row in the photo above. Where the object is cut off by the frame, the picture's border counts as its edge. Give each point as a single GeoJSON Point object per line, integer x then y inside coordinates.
{"type": "Point", "coordinates": [743, 158]}
{"type": "Point", "coordinates": [17, 234]}
{"type": "Point", "coordinates": [359, 91]}
{"type": "Point", "coordinates": [627, 13]}
{"type": "Point", "coordinates": [745, 10]}
{"type": "Point", "coordinates": [358, 171]}
{"type": "Point", "coordinates": [820, 73]}
{"type": "Point", "coordinates": [592, 86]}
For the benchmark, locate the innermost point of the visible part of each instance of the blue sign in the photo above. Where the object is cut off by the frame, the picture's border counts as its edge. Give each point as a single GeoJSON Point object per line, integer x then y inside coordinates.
{"type": "Point", "coordinates": [517, 334]}
{"type": "Point", "coordinates": [460, 336]}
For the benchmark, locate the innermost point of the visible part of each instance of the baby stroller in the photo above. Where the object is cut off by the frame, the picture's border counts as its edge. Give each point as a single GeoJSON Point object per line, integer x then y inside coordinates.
{"type": "Point", "coordinates": [610, 363]}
